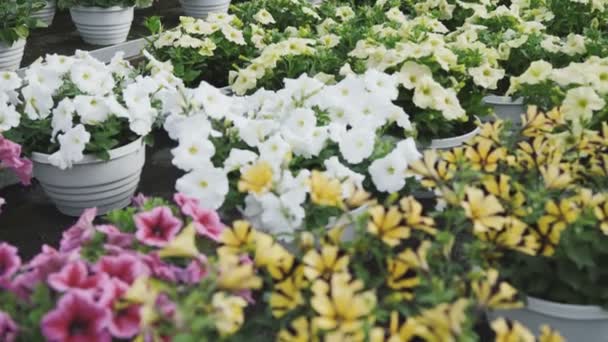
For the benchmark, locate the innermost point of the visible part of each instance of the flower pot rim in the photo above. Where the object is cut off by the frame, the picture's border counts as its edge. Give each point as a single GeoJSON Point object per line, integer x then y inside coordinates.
{"type": "Point", "coordinates": [16, 44]}
{"type": "Point", "coordinates": [568, 311]}
{"type": "Point", "coordinates": [100, 9]}
{"type": "Point", "coordinates": [116, 153]}
{"type": "Point", "coordinates": [453, 141]}
{"type": "Point", "coordinates": [503, 100]}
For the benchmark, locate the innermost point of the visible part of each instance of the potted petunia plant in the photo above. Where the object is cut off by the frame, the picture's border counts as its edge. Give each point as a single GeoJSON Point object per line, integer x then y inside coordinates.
{"type": "Point", "coordinates": [536, 197]}
{"type": "Point", "coordinates": [82, 123]}
{"type": "Point", "coordinates": [103, 22]}
{"type": "Point", "coordinates": [17, 20]}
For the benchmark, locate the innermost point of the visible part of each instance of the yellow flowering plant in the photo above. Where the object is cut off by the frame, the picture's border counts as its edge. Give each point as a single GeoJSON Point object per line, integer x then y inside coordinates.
{"type": "Point", "coordinates": [533, 199]}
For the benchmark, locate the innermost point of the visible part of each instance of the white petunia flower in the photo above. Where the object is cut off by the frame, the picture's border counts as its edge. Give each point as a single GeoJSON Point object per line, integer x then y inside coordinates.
{"type": "Point", "coordinates": [91, 109]}
{"type": "Point", "coordinates": [208, 184]}
{"type": "Point", "coordinates": [300, 121]}
{"type": "Point", "coordinates": [264, 17]}
{"type": "Point", "coordinates": [357, 144]}
{"type": "Point", "coordinates": [9, 81]}
{"type": "Point", "coordinates": [9, 117]}
{"type": "Point", "coordinates": [71, 147]}
{"type": "Point", "coordinates": [537, 72]}
{"type": "Point", "coordinates": [233, 35]}
{"type": "Point", "coordinates": [486, 76]}
{"type": "Point", "coordinates": [413, 73]}
{"type": "Point", "coordinates": [190, 154]}
{"type": "Point", "coordinates": [427, 92]}
{"type": "Point", "coordinates": [237, 159]}
{"type": "Point", "coordinates": [275, 150]}
{"type": "Point", "coordinates": [63, 117]}
{"type": "Point", "coordinates": [580, 103]}
{"type": "Point", "coordinates": [335, 169]}
{"type": "Point", "coordinates": [38, 102]}
{"type": "Point", "coordinates": [383, 84]}
{"type": "Point", "coordinates": [388, 173]}
{"type": "Point", "coordinates": [59, 63]}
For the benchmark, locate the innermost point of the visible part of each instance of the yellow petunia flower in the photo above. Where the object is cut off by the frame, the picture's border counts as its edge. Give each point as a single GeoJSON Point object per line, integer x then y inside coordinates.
{"type": "Point", "coordinates": [515, 235]}
{"type": "Point", "coordinates": [324, 264]}
{"type": "Point", "coordinates": [506, 331]}
{"type": "Point", "coordinates": [300, 331]}
{"type": "Point", "coordinates": [235, 275]}
{"type": "Point", "coordinates": [387, 225]}
{"type": "Point", "coordinates": [229, 312]}
{"type": "Point", "coordinates": [237, 238]}
{"type": "Point", "coordinates": [325, 191]}
{"type": "Point", "coordinates": [483, 210]}
{"type": "Point", "coordinates": [431, 169]}
{"type": "Point", "coordinates": [272, 256]}
{"type": "Point", "coordinates": [442, 323]}
{"type": "Point", "coordinates": [601, 213]}
{"type": "Point", "coordinates": [556, 219]}
{"type": "Point", "coordinates": [505, 189]}
{"type": "Point", "coordinates": [402, 278]}
{"type": "Point", "coordinates": [549, 335]}
{"type": "Point", "coordinates": [340, 305]}
{"type": "Point", "coordinates": [494, 294]}
{"type": "Point", "coordinates": [182, 246]}
{"type": "Point", "coordinates": [412, 216]}
{"type": "Point", "coordinates": [286, 296]}
{"type": "Point", "coordinates": [555, 177]}
{"type": "Point", "coordinates": [257, 178]}
{"type": "Point", "coordinates": [484, 155]}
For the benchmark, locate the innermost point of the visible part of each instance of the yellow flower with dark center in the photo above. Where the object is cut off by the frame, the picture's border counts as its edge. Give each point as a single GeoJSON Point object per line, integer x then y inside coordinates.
{"type": "Point", "coordinates": [359, 197]}
{"type": "Point", "coordinates": [306, 241]}
{"type": "Point", "coordinates": [555, 177]}
{"type": "Point", "coordinates": [454, 156]}
{"type": "Point", "coordinates": [515, 235]}
{"type": "Point", "coordinates": [548, 335]}
{"type": "Point", "coordinates": [492, 293]}
{"type": "Point", "coordinates": [236, 275]}
{"type": "Point", "coordinates": [402, 277]}
{"type": "Point", "coordinates": [228, 312]}
{"type": "Point", "coordinates": [416, 256]}
{"type": "Point", "coordinates": [483, 210]}
{"type": "Point", "coordinates": [286, 295]}
{"type": "Point", "coordinates": [599, 165]}
{"type": "Point", "coordinates": [505, 189]}
{"type": "Point", "coordinates": [387, 225]}
{"type": "Point", "coordinates": [507, 332]}
{"type": "Point", "coordinates": [442, 323]}
{"type": "Point", "coordinates": [601, 213]}
{"type": "Point", "coordinates": [325, 191]}
{"type": "Point", "coordinates": [395, 332]}
{"type": "Point", "coordinates": [412, 215]}
{"type": "Point", "coordinates": [541, 151]}
{"type": "Point", "coordinates": [551, 225]}
{"type": "Point", "coordinates": [324, 264]}
{"type": "Point", "coordinates": [272, 256]}
{"type": "Point", "coordinates": [431, 169]}
{"type": "Point", "coordinates": [257, 178]}
{"type": "Point", "coordinates": [298, 331]}
{"type": "Point", "coordinates": [485, 155]}
{"type": "Point", "coordinates": [535, 123]}
{"type": "Point", "coordinates": [491, 131]}
{"type": "Point", "coordinates": [341, 305]}
{"type": "Point", "coordinates": [237, 239]}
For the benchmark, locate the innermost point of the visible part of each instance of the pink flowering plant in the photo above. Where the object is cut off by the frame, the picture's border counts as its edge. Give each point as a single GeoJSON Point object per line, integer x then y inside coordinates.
{"type": "Point", "coordinates": [140, 275]}
{"type": "Point", "coordinates": [11, 159]}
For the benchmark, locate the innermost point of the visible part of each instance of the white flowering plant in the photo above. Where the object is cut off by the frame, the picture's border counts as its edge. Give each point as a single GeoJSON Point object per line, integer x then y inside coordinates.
{"type": "Point", "coordinates": [16, 20]}
{"type": "Point", "coordinates": [104, 3]}
{"type": "Point", "coordinates": [579, 89]}
{"type": "Point", "coordinates": [292, 155]}
{"type": "Point", "coordinates": [71, 106]}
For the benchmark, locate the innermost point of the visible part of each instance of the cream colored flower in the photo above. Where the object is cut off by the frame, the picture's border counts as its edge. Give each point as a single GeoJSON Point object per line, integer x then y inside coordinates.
{"type": "Point", "coordinates": [486, 76]}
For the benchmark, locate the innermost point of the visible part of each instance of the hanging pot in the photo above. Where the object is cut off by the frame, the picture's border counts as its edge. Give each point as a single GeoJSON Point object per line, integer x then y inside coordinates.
{"type": "Point", "coordinates": [202, 8]}
{"type": "Point", "coordinates": [103, 26]}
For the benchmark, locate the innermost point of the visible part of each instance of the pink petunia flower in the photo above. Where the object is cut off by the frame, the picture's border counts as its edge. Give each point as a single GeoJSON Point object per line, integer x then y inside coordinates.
{"type": "Point", "coordinates": [77, 318]}
{"type": "Point", "coordinates": [160, 269]}
{"type": "Point", "coordinates": [195, 271]}
{"type": "Point", "coordinates": [186, 203]}
{"type": "Point", "coordinates": [75, 276]}
{"type": "Point", "coordinates": [124, 267]}
{"type": "Point", "coordinates": [115, 236]}
{"type": "Point", "coordinates": [10, 157]}
{"type": "Point", "coordinates": [139, 200]}
{"type": "Point", "coordinates": [9, 260]}
{"type": "Point", "coordinates": [157, 227]}
{"type": "Point", "coordinates": [207, 223]}
{"type": "Point", "coordinates": [81, 232]}
{"type": "Point", "coordinates": [8, 328]}
{"type": "Point", "coordinates": [125, 320]}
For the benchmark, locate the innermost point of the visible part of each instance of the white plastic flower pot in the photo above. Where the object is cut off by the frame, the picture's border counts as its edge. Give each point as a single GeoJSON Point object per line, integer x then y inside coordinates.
{"type": "Point", "coordinates": [103, 26]}
{"type": "Point", "coordinates": [574, 322]}
{"type": "Point", "coordinates": [202, 8]}
{"type": "Point", "coordinates": [10, 56]}
{"type": "Point", "coordinates": [459, 140]}
{"type": "Point", "coordinates": [47, 14]}
{"type": "Point", "coordinates": [106, 185]}
{"type": "Point", "coordinates": [506, 107]}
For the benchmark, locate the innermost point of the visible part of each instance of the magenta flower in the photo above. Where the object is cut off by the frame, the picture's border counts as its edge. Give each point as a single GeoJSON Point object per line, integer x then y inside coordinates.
{"type": "Point", "coordinates": [125, 322]}
{"type": "Point", "coordinates": [139, 200]}
{"type": "Point", "coordinates": [207, 222]}
{"type": "Point", "coordinates": [160, 269]}
{"type": "Point", "coordinates": [195, 271]}
{"type": "Point", "coordinates": [8, 328]}
{"type": "Point", "coordinates": [81, 232]}
{"type": "Point", "coordinates": [157, 227]}
{"type": "Point", "coordinates": [9, 260]}
{"type": "Point", "coordinates": [186, 203]}
{"type": "Point", "coordinates": [75, 276]}
{"type": "Point", "coordinates": [115, 236]}
{"type": "Point", "coordinates": [77, 318]}
{"type": "Point", "coordinates": [165, 306]}
{"type": "Point", "coordinates": [10, 153]}
{"type": "Point", "coordinates": [124, 267]}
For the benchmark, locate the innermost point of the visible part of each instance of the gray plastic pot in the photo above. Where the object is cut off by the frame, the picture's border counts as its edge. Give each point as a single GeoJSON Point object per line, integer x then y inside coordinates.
{"type": "Point", "coordinates": [452, 142]}
{"type": "Point", "coordinates": [574, 322]}
{"type": "Point", "coordinates": [202, 8]}
{"type": "Point", "coordinates": [103, 26]}
{"type": "Point", "coordinates": [10, 56]}
{"type": "Point", "coordinates": [47, 14]}
{"type": "Point", "coordinates": [106, 185]}
{"type": "Point", "coordinates": [506, 107]}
